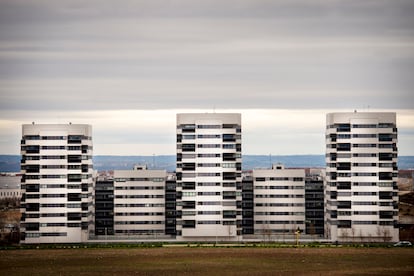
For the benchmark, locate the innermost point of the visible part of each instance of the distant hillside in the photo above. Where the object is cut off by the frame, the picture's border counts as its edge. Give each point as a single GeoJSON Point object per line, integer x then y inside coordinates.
{"type": "Point", "coordinates": [11, 163]}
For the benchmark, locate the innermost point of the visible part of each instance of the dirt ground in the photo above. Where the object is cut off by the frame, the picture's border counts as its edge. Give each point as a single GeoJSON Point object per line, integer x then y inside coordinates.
{"type": "Point", "coordinates": [208, 261]}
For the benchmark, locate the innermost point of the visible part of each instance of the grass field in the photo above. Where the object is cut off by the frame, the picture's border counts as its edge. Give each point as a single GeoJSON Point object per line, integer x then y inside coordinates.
{"type": "Point", "coordinates": [214, 261]}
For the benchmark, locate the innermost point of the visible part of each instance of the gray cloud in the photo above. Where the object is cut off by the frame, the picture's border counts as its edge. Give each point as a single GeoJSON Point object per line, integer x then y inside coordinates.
{"type": "Point", "coordinates": [174, 53]}
{"type": "Point", "coordinates": [82, 55]}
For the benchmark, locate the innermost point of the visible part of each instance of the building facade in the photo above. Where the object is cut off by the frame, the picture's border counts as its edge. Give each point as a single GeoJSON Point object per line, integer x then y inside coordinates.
{"type": "Point", "coordinates": [209, 176]}
{"type": "Point", "coordinates": [279, 201]}
{"type": "Point", "coordinates": [361, 193]}
{"type": "Point", "coordinates": [104, 207]}
{"type": "Point", "coordinates": [139, 202]}
{"type": "Point", "coordinates": [314, 202]}
{"type": "Point", "coordinates": [56, 183]}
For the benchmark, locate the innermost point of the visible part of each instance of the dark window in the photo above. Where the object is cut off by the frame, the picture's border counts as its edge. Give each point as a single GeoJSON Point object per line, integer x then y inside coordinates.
{"type": "Point", "coordinates": [229, 176]}
{"type": "Point", "coordinates": [32, 149]}
{"type": "Point", "coordinates": [32, 188]}
{"type": "Point", "coordinates": [385, 137]}
{"type": "Point", "coordinates": [74, 216]}
{"type": "Point", "coordinates": [74, 177]}
{"type": "Point", "coordinates": [386, 214]}
{"type": "Point", "coordinates": [385, 195]}
{"type": "Point", "coordinates": [188, 185]}
{"type": "Point", "coordinates": [74, 197]}
{"type": "Point", "coordinates": [385, 176]}
{"type": "Point", "coordinates": [230, 214]}
{"type": "Point", "coordinates": [74, 139]}
{"type": "Point", "coordinates": [344, 185]}
{"type": "Point", "coordinates": [344, 166]}
{"type": "Point", "coordinates": [188, 166]}
{"type": "Point", "coordinates": [187, 128]}
{"type": "Point", "coordinates": [32, 168]}
{"type": "Point", "coordinates": [32, 226]}
{"type": "Point", "coordinates": [188, 204]}
{"type": "Point", "coordinates": [344, 204]}
{"type": "Point", "coordinates": [385, 156]}
{"type": "Point", "coordinates": [189, 223]}
{"type": "Point", "coordinates": [229, 138]}
{"type": "Point", "coordinates": [188, 147]}
{"type": "Point", "coordinates": [344, 224]}
{"type": "Point", "coordinates": [229, 195]}
{"type": "Point", "coordinates": [32, 207]}
{"type": "Point", "coordinates": [74, 158]}
{"type": "Point", "coordinates": [344, 147]}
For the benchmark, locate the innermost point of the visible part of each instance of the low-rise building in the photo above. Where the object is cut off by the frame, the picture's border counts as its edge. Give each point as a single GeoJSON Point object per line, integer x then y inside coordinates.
{"type": "Point", "coordinates": [139, 202]}
{"type": "Point", "coordinates": [279, 201]}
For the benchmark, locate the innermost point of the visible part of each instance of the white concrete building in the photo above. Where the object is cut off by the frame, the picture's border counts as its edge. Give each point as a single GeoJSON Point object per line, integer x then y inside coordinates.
{"type": "Point", "coordinates": [139, 202]}
{"type": "Point", "coordinates": [57, 184]}
{"type": "Point", "coordinates": [361, 189]}
{"type": "Point", "coordinates": [208, 176]}
{"type": "Point", "coordinates": [279, 201]}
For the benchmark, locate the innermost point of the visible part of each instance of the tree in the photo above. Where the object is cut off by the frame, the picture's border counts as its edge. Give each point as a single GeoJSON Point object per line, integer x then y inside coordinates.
{"type": "Point", "coordinates": [386, 235]}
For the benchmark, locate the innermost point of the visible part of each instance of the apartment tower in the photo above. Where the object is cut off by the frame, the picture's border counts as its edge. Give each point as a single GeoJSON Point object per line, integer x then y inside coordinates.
{"type": "Point", "coordinates": [208, 176]}
{"type": "Point", "coordinates": [361, 177]}
{"type": "Point", "coordinates": [56, 183]}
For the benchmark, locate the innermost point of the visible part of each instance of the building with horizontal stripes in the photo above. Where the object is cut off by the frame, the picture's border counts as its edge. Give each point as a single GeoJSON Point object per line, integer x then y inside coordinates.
{"type": "Point", "coordinates": [139, 202]}
{"type": "Point", "coordinates": [278, 201]}
{"type": "Point", "coordinates": [361, 193]}
{"type": "Point", "coordinates": [209, 176]}
{"type": "Point", "coordinates": [56, 183]}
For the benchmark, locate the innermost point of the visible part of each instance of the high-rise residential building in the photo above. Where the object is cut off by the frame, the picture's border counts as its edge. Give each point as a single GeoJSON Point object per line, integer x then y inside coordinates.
{"type": "Point", "coordinates": [139, 202]}
{"type": "Point", "coordinates": [209, 176]}
{"type": "Point", "coordinates": [57, 184]}
{"type": "Point", "coordinates": [361, 177]}
{"type": "Point", "coordinates": [279, 201]}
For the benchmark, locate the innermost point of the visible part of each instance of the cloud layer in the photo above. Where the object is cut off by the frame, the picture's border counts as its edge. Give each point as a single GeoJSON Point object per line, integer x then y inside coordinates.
{"type": "Point", "coordinates": [74, 57]}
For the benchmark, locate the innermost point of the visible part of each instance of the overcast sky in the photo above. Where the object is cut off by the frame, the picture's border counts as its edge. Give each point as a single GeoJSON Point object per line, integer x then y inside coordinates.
{"type": "Point", "coordinates": [127, 67]}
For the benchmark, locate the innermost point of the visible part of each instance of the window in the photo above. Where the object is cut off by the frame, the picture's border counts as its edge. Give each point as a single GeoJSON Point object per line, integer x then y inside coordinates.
{"type": "Point", "coordinates": [343, 146]}
{"type": "Point", "coordinates": [344, 204]}
{"type": "Point", "coordinates": [187, 128]}
{"type": "Point", "coordinates": [208, 136]}
{"type": "Point", "coordinates": [209, 126]}
{"type": "Point", "coordinates": [188, 204]}
{"type": "Point", "coordinates": [74, 139]}
{"type": "Point", "coordinates": [188, 147]}
{"type": "Point", "coordinates": [229, 138]}
{"type": "Point", "coordinates": [343, 128]}
{"type": "Point", "coordinates": [188, 224]}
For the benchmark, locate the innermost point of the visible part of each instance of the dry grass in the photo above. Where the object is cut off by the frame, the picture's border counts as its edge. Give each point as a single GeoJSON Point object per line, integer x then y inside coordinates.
{"type": "Point", "coordinates": [214, 261]}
